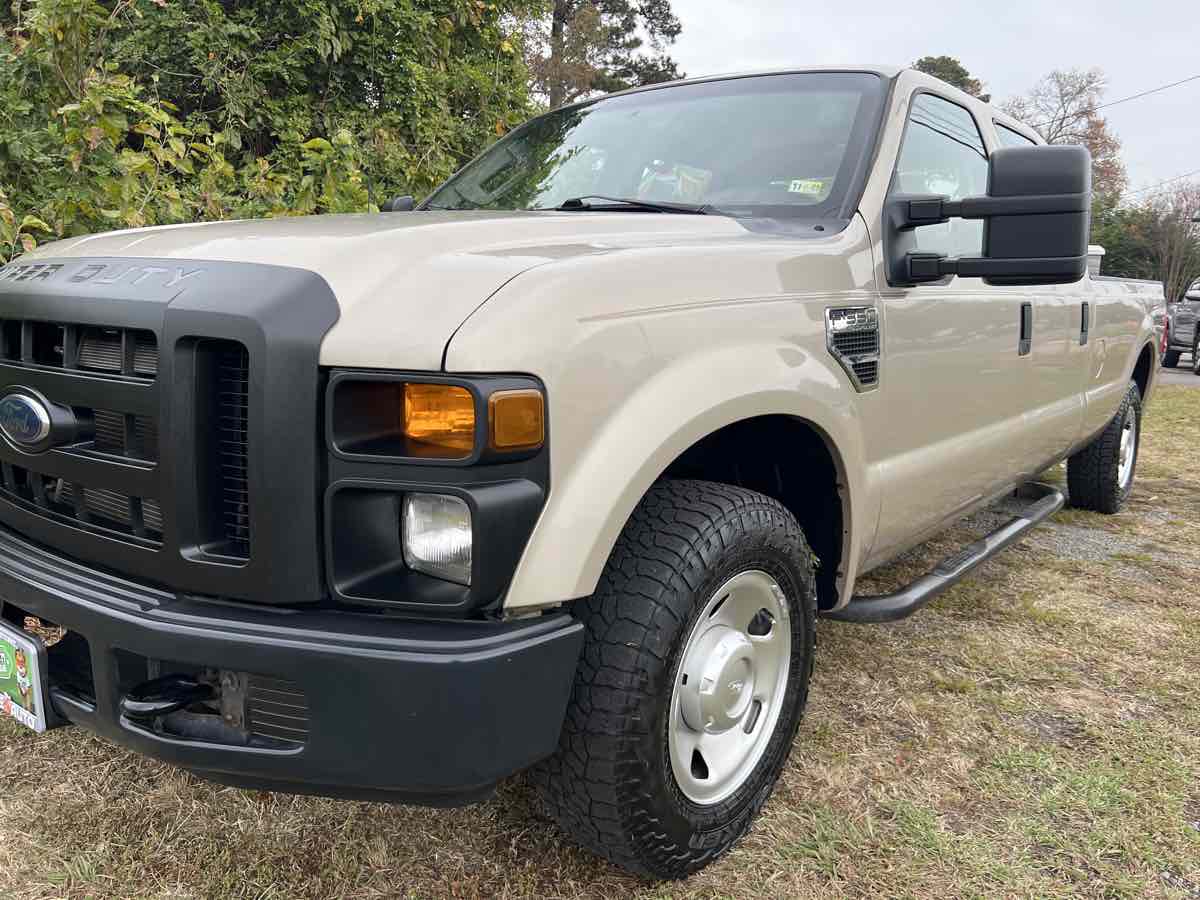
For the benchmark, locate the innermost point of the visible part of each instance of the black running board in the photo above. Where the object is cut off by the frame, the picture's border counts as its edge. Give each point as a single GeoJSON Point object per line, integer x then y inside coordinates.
{"type": "Point", "coordinates": [903, 603]}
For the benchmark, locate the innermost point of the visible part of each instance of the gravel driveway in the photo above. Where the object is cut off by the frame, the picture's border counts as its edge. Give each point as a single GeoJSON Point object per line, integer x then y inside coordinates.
{"type": "Point", "coordinates": [1178, 376]}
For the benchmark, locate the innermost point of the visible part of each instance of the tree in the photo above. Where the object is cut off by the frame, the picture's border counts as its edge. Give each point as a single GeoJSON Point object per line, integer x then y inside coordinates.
{"type": "Point", "coordinates": [125, 113]}
{"type": "Point", "coordinates": [1124, 233]}
{"type": "Point", "coordinates": [1175, 238]}
{"type": "Point", "coordinates": [423, 86]}
{"type": "Point", "coordinates": [1062, 108]}
{"type": "Point", "coordinates": [586, 46]}
{"type": "Point", "coordinates": [951, 71]}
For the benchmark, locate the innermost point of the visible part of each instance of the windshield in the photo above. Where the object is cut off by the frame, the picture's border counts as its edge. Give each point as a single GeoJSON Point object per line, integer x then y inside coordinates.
{"type": "Point", "coordinates": [772, 145]}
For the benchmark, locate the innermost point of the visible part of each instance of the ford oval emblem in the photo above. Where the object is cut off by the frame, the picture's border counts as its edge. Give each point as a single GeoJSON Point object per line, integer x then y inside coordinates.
{"type": "Point", "coordinates": [24, 419]}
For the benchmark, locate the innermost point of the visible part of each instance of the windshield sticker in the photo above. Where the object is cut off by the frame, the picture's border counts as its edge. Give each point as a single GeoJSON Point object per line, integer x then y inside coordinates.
{"type": "Point", "coordinates": [811, 187]}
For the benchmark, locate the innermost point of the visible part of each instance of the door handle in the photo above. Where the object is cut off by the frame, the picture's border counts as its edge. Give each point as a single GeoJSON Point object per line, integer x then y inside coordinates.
{"type": "Point", "coordinates": [1085, 322]}
{"type": "Point", "coordinates": [1025, 344]}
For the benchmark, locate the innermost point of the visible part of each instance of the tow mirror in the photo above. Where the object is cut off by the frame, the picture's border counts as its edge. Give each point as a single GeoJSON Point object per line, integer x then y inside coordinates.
{"type": "Point", "coordinates": [1036, 214]}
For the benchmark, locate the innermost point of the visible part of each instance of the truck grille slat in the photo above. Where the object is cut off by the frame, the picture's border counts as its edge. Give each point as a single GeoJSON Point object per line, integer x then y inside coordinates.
{"type": "Point", "coordinates": [276, 709]}
{"type": "Point", "coordinates": [141, 441]}
{"type": "Point", "coordinates": [128, 352]}
{"type": "Point", "coordinates": [100, 509]}
{"type": "Point", "coordinates": [232, 417]}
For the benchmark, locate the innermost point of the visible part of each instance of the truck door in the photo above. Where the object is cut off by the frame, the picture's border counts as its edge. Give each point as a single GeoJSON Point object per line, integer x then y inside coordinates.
{"type": "Point", "coordinates": [1055, 353]}
{"type": "Point", "coordinates": [955, 377]}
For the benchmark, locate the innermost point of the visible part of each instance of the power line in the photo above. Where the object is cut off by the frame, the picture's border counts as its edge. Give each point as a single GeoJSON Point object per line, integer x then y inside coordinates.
{"type": "Point", "coordinates": [1161, 183]}
{"type": "Point", "coordinates": [1092, 109]}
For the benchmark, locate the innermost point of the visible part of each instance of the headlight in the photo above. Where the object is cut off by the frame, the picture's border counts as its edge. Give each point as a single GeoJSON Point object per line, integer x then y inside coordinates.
{"type": "Point", "coordinates": [395, 417]}
{"type": "Point", "coordinates": [438, 420]}
{"type": "Point", "coordinates": [437, 536]}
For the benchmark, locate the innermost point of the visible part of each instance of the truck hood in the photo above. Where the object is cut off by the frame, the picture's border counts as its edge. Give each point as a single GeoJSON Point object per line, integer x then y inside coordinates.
{"type": "Point", "coordinates": [405, 281]}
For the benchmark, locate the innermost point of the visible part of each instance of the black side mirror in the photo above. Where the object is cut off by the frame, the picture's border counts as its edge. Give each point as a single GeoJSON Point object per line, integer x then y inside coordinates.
{"type": "Point", "coordinates": [1036, 214]}
{"type": "Point", "coordinates": [399, 204]}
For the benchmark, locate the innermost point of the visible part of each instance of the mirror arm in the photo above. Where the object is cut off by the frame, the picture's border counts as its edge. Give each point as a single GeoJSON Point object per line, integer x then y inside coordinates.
{"type": "Point", "coordinates": [926, 267]}
{"type": "Point", "coordinates": [914, 211]}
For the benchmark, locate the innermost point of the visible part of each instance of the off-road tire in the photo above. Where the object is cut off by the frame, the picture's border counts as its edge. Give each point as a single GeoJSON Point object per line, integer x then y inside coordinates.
{"type": "Point", "coordinates": [610, 784]}
{"type": "Point", "coordinates": [1092, 473]}
{"type": "Point", "coordinates": [1171, 359]}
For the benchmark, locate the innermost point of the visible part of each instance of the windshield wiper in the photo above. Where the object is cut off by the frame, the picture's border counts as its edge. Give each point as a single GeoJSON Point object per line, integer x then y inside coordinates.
{"type": "Point", "coordinates": [581, 204]}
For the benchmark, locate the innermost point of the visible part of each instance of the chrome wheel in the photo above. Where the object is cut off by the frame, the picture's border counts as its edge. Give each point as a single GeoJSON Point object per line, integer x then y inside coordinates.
{"type": "Point", "coordinates": [730, 687]}
{"type": "Point", "coordinates": [1128, 455]}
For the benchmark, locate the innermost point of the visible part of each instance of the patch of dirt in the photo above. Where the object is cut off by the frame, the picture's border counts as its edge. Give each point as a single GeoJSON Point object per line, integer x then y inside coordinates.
{"type": "Point", "coordinates": [1060, 730]}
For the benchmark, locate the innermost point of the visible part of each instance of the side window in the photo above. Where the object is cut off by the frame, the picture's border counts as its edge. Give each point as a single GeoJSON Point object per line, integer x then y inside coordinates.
{"type": "Point", "coordinates": [1010, 138]}
{"type": "Point", "coordinates": [944, 154]}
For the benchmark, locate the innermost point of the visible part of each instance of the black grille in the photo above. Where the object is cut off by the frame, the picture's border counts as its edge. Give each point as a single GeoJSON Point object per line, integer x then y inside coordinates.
{"type": "Point", "coordinates": [276, 709]}
{"type": "Point", "coordinates": [95, 509]}
{"type": "Point", "coordinates": [232, 396]}
{"type": "Point", "coordinates": [134, 437]}
{"type": "Point", "coordinates": [129, 352]}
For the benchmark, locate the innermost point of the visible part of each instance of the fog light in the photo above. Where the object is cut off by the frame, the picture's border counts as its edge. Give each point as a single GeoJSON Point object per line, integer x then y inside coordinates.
{"type": "Point", "coordinates": [437, 536]}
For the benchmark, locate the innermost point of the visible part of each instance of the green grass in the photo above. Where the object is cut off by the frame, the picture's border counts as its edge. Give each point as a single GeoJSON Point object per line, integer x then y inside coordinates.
{"type": "Point", "coordinates": [1034, 733]}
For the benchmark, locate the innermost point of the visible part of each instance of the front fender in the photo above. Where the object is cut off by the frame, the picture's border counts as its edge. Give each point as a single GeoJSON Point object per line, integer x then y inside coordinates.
{"type": "Point", "coordinates": [593, 494]}
{"type": "Point", "coordinates": [646, 350]}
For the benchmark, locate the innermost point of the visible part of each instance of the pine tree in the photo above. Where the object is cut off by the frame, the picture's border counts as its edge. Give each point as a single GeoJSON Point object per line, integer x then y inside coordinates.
{"type": "Point", "coordinates": [587, 46]}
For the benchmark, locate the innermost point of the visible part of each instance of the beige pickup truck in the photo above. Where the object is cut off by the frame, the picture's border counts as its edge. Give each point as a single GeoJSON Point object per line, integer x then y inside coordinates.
{"type": "Point", "coordinates": [558, 470]}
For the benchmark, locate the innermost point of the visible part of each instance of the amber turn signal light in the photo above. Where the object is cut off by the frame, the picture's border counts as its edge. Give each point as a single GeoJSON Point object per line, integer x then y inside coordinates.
{"type": "Point", "coordinates": [517, 420]}
{"type": "Point", "coordinates": [439, 420]}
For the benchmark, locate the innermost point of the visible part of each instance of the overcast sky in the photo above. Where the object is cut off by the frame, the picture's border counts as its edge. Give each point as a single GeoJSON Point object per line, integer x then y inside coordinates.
{"type": "Point", "coordinates": [1009, 45]}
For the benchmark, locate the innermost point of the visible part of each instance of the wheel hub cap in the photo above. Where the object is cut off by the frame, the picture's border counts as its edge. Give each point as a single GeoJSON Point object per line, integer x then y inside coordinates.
{"type": "Point", "coordinates": [730, 686]}
{"type": "Point", "coordinates": [718, 698]}
{"type": "Point", "coordinates": [1128, 450]}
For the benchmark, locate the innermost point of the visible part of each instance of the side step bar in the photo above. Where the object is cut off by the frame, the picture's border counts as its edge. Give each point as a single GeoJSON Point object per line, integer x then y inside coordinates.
{"type": "Point", "coordinates": [903, 603]}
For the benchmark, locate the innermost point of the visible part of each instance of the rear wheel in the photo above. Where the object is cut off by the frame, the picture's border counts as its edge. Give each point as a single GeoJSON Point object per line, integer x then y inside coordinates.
{"type": "Point", "coordinates": [694, 675]}
{"type": "Point", "coordinates": [1100, 476]}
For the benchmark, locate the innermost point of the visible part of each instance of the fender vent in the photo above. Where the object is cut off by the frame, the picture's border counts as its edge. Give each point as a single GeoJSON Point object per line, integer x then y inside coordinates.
{"type": "Point", "coordinates": [852, 335]}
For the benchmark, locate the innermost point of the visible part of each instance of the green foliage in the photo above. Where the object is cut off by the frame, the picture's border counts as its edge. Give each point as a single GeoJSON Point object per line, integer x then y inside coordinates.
{"type": "Point", "coordinates": [1125, 233]}
{"type": "Point", "coordinates": [952, 72]}
{"type": "Point", "coordinates": [142, 112]}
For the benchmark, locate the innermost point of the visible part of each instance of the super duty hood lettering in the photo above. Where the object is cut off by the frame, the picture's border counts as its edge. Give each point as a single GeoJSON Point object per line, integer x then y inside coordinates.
{"type": "Point", "coordinates": [101, 273]}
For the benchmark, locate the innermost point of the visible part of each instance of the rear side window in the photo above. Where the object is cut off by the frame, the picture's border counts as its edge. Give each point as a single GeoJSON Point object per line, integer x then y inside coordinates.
{"type": "Point", "coordinates": [943, 154]}
{"type": "Point", "coordinates": [1010, 138]}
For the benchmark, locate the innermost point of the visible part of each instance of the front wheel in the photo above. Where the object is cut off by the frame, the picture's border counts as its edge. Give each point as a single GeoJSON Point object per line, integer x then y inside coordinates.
{"type": "Point", "coordinates": [695, 671]}
{"type": "Point", "coordinates": [1100, 476]}
{"type": "Point", "coordinates": [1171, 359]}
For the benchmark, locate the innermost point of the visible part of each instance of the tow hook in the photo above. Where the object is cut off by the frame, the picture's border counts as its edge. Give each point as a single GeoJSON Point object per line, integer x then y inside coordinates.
{"type": "Point", "coordinates": [154, 699]}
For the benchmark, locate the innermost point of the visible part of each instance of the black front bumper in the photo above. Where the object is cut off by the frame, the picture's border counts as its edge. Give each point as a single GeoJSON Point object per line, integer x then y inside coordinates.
{"type": "Point", "coordinates": [401, 710]}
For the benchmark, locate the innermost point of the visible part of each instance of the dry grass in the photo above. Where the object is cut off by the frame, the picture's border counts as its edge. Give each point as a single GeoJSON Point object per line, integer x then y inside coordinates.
{"type": "Point", "coordinates": [1036, 732]}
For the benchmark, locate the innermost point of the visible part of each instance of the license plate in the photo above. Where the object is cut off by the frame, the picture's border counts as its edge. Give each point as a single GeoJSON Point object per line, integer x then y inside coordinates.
{"type": "Point", "coordinates": [21, 696]}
